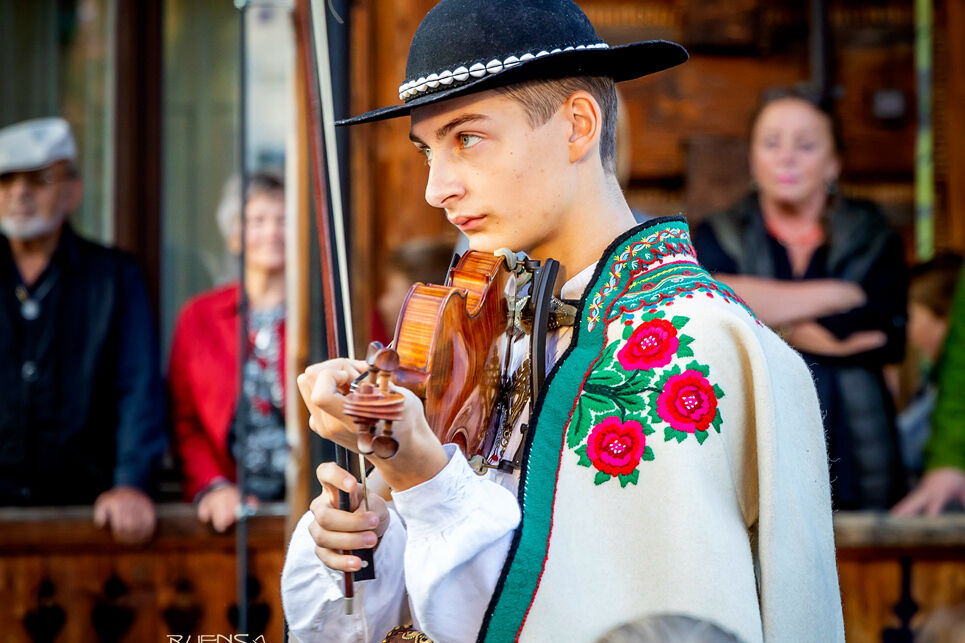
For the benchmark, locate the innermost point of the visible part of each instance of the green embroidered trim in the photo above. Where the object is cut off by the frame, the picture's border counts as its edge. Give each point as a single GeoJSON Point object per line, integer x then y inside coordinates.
{"type": "Point", "coordinates": [625, 264]}
{"type": "Point", "coordinates": [636, 256]}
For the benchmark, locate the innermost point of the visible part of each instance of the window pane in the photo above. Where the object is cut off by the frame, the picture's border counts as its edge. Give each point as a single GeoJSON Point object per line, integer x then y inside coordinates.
{"type": "Point", "coordinates": [58, 60]}
{"type": "Point", "coordinates": [200, 125]}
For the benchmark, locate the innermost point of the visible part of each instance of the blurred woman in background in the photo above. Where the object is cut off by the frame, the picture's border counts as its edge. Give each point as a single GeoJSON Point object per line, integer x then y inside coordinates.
{"type": "Point", "coordinates": [828, 273]}
{"type": "Point", "coordinates": [203, 372]}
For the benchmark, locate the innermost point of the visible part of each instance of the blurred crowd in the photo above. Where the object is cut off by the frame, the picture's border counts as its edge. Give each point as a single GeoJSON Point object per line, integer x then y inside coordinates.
{"type": "Point", "coordinates": [87, 417]}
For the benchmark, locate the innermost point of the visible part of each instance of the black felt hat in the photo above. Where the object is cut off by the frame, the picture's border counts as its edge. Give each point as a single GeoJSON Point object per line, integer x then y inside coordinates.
{"type": "Point", "coordinates": [466, 46]}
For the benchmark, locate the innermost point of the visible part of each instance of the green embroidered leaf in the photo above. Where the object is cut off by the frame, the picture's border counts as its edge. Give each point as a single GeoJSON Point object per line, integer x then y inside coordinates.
{"type": "Point", "coordinates": [685, 339]}
{"type": "Point", "coordinates": [681, 436]}
{"type": "Point", "coordinates": [701, 436]}
{"type": "Point", "coordinates": [631, 400]}
{"type": "Point", "coordinates": [703, 369]}
{"type": "Point", "coordinates": [717, 421]}
{"type": "Point", "coordinates": [652, 410]}
{"type": "Point", "coordinates": [685, 351]}
{"type": "Point", "coordinates": [601, 477]}
{"type": "Point", "coordinates": [608, 359]}
{"type": "Point", "coordinates": [669, 433]}
{"type": "Point", "coordinates": [578, 425]}
{"type": "Point", "coordinates": [718, 391]}
{"type": "Point", "coordinates": [631, 477]}
{"type": "Point", "coordinates": [584, 459]}
{"type": "Point", "coordinates": [627, 331]}
{"type": "Point", "coordinates": [647, 454]}
{"type": "Point", "coordinates": [679, 321]}
{"type": "Point", "coordinates": [606, 378]}
{"type": "Point", "coordinates": [647, 429]}
{"type": "Point", "coordinates": [665, 377]}
{"type": "Point", "coordinates": [640, 379]}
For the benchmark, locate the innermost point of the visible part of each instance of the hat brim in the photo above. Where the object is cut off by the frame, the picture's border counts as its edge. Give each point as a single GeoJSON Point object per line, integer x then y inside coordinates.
{"type": "Point", "coordinates": [625, 62]}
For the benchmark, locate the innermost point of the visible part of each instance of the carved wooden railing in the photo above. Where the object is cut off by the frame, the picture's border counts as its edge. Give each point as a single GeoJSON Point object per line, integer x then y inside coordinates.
{"type": "Point", "coordinates": [894, 572]}
{"type": "Point", "coordinates": [63, 579]}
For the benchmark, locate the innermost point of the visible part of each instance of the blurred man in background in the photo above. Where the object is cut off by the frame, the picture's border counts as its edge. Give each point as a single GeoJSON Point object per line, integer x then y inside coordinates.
{"type": "Point", "coordinates": [81, 399]}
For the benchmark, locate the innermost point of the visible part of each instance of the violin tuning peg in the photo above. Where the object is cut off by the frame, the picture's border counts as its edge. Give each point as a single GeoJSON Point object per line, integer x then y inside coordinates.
{"type": "Point", "coordinates": [372, 352]}
{"type": "Point", "coordinates": [365, 442]}
{"type": "Point", "coordinates": [386, 360]}
{"type": "Point", "coordinates": [385, 446]}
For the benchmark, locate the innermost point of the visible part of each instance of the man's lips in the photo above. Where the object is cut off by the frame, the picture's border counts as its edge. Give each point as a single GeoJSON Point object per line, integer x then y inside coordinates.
{"type": "Point", "coordinates": [467, 222]}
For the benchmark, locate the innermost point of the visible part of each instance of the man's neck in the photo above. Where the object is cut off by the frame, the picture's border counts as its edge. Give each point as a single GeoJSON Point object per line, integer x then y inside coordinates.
{"type": "Point", "coordinates": [32, 256]}
{"type": "Point", "coordinates": [597, 218]}
{"type": "Point", "coordinates": [265, 289]}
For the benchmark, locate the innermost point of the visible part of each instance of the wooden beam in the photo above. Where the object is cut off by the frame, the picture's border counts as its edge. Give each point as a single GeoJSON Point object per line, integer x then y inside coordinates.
{"type": "Point", "coordinates": [137, 137]}
{"type": "Point", "coordinates": [954, 126]}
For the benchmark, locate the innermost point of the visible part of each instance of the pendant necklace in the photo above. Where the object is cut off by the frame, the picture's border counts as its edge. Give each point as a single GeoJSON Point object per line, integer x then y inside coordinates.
{"type": "Point", "coordinates": [30, 305]}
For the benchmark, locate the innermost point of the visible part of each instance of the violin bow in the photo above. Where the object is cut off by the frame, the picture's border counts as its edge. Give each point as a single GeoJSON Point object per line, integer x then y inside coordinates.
{"type": "Point", "coordinates": [312, 39]}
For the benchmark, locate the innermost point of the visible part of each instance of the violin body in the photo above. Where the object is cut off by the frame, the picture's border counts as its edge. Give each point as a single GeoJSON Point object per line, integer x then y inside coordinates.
{"type": "Point", "coordinates": [454, 344]}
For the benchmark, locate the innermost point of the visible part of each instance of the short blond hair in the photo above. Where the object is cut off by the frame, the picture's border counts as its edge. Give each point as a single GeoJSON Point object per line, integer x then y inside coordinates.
{"type": "Point", "coordinates": [541, 98]}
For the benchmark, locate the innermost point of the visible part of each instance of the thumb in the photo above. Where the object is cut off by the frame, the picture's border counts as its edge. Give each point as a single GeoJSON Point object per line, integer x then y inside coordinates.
{"type": "Point", "coordinates": [102, 513]}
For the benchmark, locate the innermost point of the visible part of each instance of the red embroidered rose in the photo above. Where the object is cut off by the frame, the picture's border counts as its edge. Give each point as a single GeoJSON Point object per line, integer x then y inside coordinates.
{"type": "Point", "coordinates": [688, 402]}
{"type": "Point", "coordinates": [652, 344]}
{"type": "Point", "coordinates": [616, 447]}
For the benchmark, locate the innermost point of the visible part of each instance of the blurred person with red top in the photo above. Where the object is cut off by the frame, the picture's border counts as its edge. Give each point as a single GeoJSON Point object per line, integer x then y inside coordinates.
{"type": "Point", "coordinates": [203, 373]}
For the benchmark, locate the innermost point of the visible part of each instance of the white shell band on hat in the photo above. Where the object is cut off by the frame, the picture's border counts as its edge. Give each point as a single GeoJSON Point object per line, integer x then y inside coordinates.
{"type": "Point", "coordinates": [411, 88]}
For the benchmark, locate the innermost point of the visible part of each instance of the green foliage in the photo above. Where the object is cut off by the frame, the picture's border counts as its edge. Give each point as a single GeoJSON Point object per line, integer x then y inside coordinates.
{"type": "Point", "coordinates": [631, 477]}
{"type": "Point", "coordinates": [584, 459]}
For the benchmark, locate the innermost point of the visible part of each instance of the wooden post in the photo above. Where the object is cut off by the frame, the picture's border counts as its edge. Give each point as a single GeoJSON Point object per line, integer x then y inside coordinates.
{"type": "Point", "coordinates": [955, 125]}
{"type": "Point", "coordinates": [298, 323]}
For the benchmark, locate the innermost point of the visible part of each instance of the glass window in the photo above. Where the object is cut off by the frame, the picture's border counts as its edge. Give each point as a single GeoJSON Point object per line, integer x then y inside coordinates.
{"type": "Point", "coordinates": [200, 126]}
{"type": "Point", "coordinates": [58, 60]}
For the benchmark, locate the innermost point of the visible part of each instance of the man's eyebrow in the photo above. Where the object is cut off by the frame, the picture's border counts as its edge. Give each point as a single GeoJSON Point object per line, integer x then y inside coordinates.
{"type": "Point", "coordinates": [448, 127]}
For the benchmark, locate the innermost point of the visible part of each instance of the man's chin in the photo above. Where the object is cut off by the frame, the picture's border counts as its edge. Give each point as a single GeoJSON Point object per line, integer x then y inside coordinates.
{"type": "Point", "coordinates": [29, 228]}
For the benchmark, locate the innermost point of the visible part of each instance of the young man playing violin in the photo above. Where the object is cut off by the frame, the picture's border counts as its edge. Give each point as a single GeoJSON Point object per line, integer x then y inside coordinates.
{"type": "Point", "coordinates": [674, 461]}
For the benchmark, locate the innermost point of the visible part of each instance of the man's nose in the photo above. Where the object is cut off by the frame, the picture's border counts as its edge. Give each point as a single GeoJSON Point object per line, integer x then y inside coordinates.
{"type": "Point", "coordinates": [443, 186]}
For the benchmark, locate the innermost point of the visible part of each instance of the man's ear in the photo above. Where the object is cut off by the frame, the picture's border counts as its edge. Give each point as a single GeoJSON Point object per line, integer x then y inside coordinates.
{"type": "Point", "coordinates": [586, 120]}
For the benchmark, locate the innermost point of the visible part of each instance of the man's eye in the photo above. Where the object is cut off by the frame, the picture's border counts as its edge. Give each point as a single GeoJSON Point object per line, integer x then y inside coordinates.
{"type": "Point", "coordinates": [427, 152]}
{"type": "Point", "coordinates": [468, 140]}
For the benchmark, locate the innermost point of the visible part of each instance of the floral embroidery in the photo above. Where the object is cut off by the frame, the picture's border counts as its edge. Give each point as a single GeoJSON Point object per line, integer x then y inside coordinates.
{"type": "Point", "coordinates": [637, 385]}
{"type": "Point", "coordinates": [687, 402]}
{"type": "Point", "coordinates": [615, 448]}
{"type": "Point", "coordinates": [652, 344]}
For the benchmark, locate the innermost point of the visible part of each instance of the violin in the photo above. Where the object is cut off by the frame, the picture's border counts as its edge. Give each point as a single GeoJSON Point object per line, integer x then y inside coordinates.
{"type": "Point", "coordinates": [453, 348]}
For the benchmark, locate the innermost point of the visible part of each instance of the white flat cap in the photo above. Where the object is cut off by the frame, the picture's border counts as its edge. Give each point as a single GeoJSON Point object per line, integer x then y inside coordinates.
{"type": "Point", "coordinates": [34, 144]}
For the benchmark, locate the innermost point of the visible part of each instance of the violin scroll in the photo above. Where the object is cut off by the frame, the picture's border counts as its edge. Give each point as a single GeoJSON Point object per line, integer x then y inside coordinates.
{"type": "Point", "coordinates": [374, 407]}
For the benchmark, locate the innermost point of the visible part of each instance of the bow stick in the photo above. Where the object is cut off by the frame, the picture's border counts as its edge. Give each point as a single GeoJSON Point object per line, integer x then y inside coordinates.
{"type": "Point", "coordinates": [312, 36]}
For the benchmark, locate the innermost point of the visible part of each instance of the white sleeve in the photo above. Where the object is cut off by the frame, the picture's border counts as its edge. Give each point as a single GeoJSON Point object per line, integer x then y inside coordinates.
{"type": "Point", "coordinates": [312, 594]}
{"type": "Point", "coordinates": [460, 526]}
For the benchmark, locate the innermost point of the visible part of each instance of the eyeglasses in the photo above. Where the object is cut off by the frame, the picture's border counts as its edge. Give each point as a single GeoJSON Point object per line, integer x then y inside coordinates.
{"type": "Point", "coordinates": [37, 178]}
